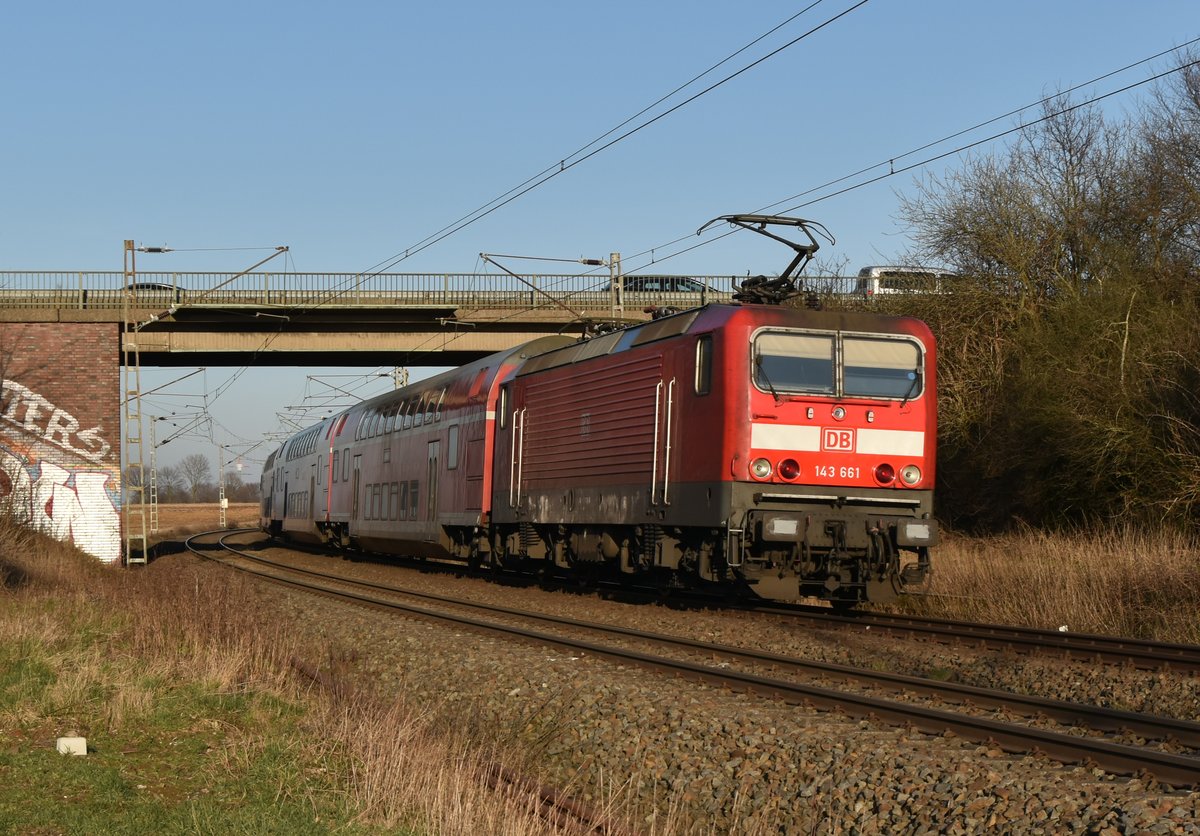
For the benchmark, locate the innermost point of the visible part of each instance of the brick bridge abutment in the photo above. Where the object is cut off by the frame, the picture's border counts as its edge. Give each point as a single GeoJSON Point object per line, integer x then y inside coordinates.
{"type": "Point", "coordinates": [60, 431]}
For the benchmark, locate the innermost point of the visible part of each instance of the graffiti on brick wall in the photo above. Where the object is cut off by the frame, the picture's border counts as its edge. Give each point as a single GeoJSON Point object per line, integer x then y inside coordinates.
{"type": "Point", "coordinates": [37, 416]}
{"type": "Point", "coordinates": [54, 479]}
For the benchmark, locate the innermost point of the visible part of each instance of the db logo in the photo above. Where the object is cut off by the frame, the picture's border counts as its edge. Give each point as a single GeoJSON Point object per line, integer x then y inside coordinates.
{"type": "Point", "coordinates": [841, 440]}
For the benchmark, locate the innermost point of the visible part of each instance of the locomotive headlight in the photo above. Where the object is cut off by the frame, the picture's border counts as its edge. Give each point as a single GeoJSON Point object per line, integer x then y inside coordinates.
{"type": "Point", "coordinates": [760, 469]}
{"type": "Point", "coordinates": [911, 474]}
{"type": "Point", "coordinates": [789, 469]}
{"type": "Point", "coordinates": [839, 413]}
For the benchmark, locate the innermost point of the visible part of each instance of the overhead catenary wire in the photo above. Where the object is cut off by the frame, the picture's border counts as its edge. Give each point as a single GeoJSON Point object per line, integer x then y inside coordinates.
{"type": "Point", "coordinates": [893, 170]}
{"type": "Point", "coordinates": [561, 162]}
{"type": "Point", "coordinates": [567, 166]}
{"type": "Point", "coordinates": [560, 168]}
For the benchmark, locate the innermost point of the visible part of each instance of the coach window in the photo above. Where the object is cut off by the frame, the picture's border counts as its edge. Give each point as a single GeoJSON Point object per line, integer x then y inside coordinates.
{"type": "Point", "coordinates": [391, 419]}
{"type": "Point", "coordinates": [437, 416]}
{"type": "Point", "coordinates": [875, 368]}
{"type": "Point", "coordinates": [346, 464]}
{"type": "Point", "coordinates": [419, 412]}
{"type": "Point", "coordinates": [404, 500]}
{"type": "Point", "coordinates": [394, 504]}
{"type": "Point", "coordinates": [413, 498]}
{"type": "Point", "coordinates": [793, 362]}
{"type": "Point", "coordinates": [334, 468]}
{"type": "Point", "coordinates": [704, 365]}
{"type": "Point", "coordinates": [452, 448]}
{"type": "Point", "coordinates": [430, 405]}
{"type": "Point", "coordinates": [503, 408]}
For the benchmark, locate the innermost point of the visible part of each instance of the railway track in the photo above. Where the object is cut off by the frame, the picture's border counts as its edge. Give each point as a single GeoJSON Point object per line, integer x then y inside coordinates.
{"type": "Point", "coordinates": [553, 806]}
{"type": "Point", "coordinates": [1140, 653]}
{"type": "Point", "coordinates": [1143, 654]}
{"type": "Point", "coordinates": [1168, 767]}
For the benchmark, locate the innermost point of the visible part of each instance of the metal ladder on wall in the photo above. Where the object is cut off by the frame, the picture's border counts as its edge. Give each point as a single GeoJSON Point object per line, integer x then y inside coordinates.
{"type": "Point", "coordinates": [133, 522]}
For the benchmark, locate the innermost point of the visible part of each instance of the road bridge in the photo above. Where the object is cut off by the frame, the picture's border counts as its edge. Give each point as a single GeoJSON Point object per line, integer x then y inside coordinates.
{"type": "Point", "coordinates": [409, 319]}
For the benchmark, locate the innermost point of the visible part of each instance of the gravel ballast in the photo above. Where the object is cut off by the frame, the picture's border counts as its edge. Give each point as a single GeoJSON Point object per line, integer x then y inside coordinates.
{"type": "Point", "coordinates": [729, 761]}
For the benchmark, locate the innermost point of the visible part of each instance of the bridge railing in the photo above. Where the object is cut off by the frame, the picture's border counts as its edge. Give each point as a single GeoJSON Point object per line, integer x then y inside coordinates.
{"type": "Point", "coordinates": [106, 290]}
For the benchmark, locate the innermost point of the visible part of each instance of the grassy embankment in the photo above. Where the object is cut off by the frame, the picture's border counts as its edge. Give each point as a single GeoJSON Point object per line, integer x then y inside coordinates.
{"type": "Point", "coordinates": [1126, 583]}
{"type": "Point", "coordinates": [196, 721]}
{"type": "Point", "coordinates": [182, 682]}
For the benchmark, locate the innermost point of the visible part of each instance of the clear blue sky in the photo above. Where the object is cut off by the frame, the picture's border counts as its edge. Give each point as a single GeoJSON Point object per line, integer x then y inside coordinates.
{"type": "Point", "coordinates": [351, 131]}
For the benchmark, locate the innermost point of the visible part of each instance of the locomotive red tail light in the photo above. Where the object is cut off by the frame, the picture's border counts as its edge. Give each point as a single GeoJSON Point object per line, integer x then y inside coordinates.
{"type": "Point", "coordinates": [789, 469]}
{"type": "Point", "coordinates": [885, 474]}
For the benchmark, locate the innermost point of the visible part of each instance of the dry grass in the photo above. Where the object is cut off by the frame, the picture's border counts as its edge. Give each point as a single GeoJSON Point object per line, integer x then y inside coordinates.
{"type": "Point", "coordinates": [180, 519]}
{"type": "Point", "coordinates": [1122, 582]}
{"type": "Point", "coordinates": [116, 644]}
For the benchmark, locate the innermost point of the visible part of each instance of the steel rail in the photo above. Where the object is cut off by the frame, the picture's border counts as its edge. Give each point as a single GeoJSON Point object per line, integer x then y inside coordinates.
{"type": "Point", "coordinates": [1172, 769]}
{"type": "Point", "coordinates": [1102, 719]}
{"type": "Point", "coordinates": [554, 806]}
{"type": "Point", "coordinates": [1142, 653]}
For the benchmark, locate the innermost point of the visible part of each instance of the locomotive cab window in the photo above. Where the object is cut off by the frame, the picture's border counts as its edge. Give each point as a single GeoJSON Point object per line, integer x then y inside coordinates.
{"type": "Point", "coordinates": [840, 365]}
{"type": "Point", "coordinates": [880, 368]}
{"type": "Point", "coordinates": [794, 362]}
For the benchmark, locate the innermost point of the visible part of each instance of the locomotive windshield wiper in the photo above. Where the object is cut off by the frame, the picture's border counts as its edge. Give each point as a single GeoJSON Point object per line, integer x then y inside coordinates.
{"type": "Point", "coordinates": [915, 374]}
{"type": "Point", "coordinates": [758, 364]}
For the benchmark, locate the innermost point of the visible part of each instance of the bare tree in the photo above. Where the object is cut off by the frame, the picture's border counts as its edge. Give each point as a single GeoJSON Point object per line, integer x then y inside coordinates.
{"type": "Point", "coordinates": [196, 472]}
{"type": "Point", "coordinates": [1069, 377]}
{"type": "Point", "coordinates": [170, 484]}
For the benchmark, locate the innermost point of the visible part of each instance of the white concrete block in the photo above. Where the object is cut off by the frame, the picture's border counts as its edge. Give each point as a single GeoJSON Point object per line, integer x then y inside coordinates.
{"type": "Point", "coordinates": [72, 745]}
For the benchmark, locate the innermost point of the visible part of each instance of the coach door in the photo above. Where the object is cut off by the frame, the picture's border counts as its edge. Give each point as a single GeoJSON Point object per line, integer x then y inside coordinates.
{"type": "Point", "coordinates": [431, 499]}
{"type": "Point", "coordinates": [355, 490]}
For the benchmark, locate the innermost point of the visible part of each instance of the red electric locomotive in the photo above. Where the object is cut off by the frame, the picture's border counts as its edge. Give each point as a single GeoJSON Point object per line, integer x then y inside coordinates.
{"type": "Point", "coordinates": [783, 451]}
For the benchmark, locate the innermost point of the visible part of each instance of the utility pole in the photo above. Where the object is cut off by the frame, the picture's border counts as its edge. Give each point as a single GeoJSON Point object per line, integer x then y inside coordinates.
{"type": "Point", "coordinates": [616, 290]}
{"type": "Point", "coordinates": [133, 523]}
{"type": "Point", "coordinates": [222, 500]}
